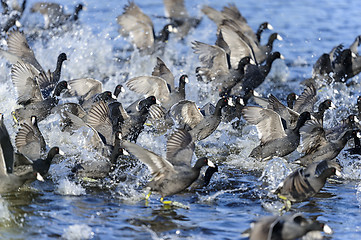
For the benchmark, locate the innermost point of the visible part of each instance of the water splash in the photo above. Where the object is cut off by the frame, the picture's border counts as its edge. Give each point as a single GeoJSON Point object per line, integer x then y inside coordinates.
{"type": "Point", "coordinates": [78, 232]}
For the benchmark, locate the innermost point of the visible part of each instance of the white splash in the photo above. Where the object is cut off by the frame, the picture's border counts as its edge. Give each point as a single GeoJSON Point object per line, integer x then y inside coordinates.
{"type": "Point", "coordinates": [78, 232]}
{"type": "Point", "coordinates": [66, 187]}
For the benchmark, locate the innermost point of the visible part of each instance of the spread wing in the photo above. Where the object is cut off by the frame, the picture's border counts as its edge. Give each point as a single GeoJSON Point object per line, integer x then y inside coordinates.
{"type": "Point", "coordinates": [175, 9]}
{"type": "Point", "coordinates": [85, 87]}
{"type": "Point", "coordinates": [212, 57]}
{"type": "Point", "coordinates": [312, 136]}
{"type": "Point", "coordinates": [18, 46]}
{"type": "Point", "coordinates": [306, 100]}
{"type": "Point", "coordinates": [267, 121]}
{"type": "Point", "coordinates": [186, 112]}
{"type": "Point", "coordinates": [161, 70]}
{"type": "Point", "coordinates": [25, 83]}
{"type": "Point", "coordinates": [137, 25]}
{"type": "Point", "coordinates": [180, 148]}
{"type": "Point", "coordinates": [150, 86]}
{"type": "Point", "coordinates": [155, 163]}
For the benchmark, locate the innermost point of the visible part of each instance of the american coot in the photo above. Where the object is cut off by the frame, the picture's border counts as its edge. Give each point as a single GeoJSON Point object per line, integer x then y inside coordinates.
{"type": "Point", "coordinates": [29, 141]}
{"type": "Point", "coordinates": [42, 165]}
{"type": "Point", "coordinates": [357, 146]}
{"type": "Point", "coordinates": [316, 146]}
{"type": "Point", "coordinates": [54, 15]}
{"type": "Point", "coordinates": [351, 122]}
{"type": "Point", "coordinates": [304, 183]}
{"type": "Point", "coordinates": [286, 227]}
{"type": "Point", "coordinates": [275, 140]}
{"type": "Point", "coordinates": [255, 75]}
{"type": "Point", "coordinates": [29, 94]}
{"type": "Point", "coordinates": [173, 174]}
{"type": "Point", "coordinates": [107, 119]}
{"type": "Point", "coordinates": [231, 12]}
{"type": "Point", "coordinates": [86, 88]}
{"type": "Point", "coordinates": [178, 15]}
{"type": "Point", "coordinates": [9, 181]}
{"type": "Point", "coordinates": [139, 26]}
{"type": "Point", "coordinates": [204, 179]}
{"type": "Point", "coordinates": [6, 145]}
{"type": "Point", "coordinates": [216, 67]}
{"type": "Point", "coordinates": [158, 87]}
{"type": "Point", "coordinates": [186, 113]}
{"type": "Point", "coordinates": [19, 51]}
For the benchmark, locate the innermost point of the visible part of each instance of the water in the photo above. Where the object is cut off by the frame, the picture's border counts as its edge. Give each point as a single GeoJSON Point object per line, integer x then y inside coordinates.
{"type": "Point", "coordinates": [240, 192]}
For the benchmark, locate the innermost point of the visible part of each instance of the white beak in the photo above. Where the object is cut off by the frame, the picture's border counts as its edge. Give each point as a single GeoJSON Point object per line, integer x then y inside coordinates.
{"type": "Point", "coordinates": [61, 152]}
{"type": "Point", "coordinates": [269, 26]}
{"type": "Point", "coordinates": [39, 177]}
{"type": "Point", "coordinates": [211, 164]}
{"type": "Point", "coordinates": [327, 229]}
{"type": "Point", "coordinates": [338, 173]}
{"type": "Point", "coordinates": [332, 106]}
{"type": "Point", "coordinates": [279, 37]}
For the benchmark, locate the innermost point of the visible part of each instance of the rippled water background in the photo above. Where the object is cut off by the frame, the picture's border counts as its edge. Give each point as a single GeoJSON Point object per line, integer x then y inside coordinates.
{"type": "Point", "coordinates": [240, 192]}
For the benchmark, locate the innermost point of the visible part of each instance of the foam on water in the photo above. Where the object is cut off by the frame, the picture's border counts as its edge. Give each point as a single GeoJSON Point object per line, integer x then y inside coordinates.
{"type": "Point", "coordinates": [78, 232]}
{"type": "Point", "coordinates": [66, 187]}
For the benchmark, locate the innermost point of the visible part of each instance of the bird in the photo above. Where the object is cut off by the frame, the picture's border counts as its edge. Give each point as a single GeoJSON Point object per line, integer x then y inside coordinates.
{"type": "Point", "coordinates": [19, 51]}
{"type": "Point", "coordinates": [54, 15]}
{"type": "Point", "coordinates": [175, 173]}
{"type": "Point", "coordinates": [286, 227]}
{"type": "Point", "coordinates": [108, 119]}
{"type": "Point", "coordinates": [42, 166]}
{"type": "Point", "coordinates": [231, 13]}
{"type": "Point", "coordinates": [316, 146]}
{"type": "Point", "coordinates": [162, 89]}
{"type": "Point", "coordinates": [10, 182]}
{"type": "Point", "coordinates": [139, 27]}
{"type": "Point", "coordinates": [275, 139]}
{"type": "Point", "coordinates": [186, 114]}
{"type": "Point", "coordinates": [304, 183]}
{"type": "Point", "coordinates": [29, 141]}
{"type": "Point", "coordinates": [29, 94]}
{"type": "Point", "coordinates": [217, 68]}
{"type": "Point", "coordinates": [255, 75]}
{"type": "Point", "coordinates": [177, 13]}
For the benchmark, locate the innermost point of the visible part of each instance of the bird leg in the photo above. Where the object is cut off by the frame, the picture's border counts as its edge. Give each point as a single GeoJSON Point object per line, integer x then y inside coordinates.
{"type": "Point", "coordinates": [287, 203]}
{"type": "Point", "coordinates": [173, 203]}
{"type": "Point", "coordinates": [14, 117]}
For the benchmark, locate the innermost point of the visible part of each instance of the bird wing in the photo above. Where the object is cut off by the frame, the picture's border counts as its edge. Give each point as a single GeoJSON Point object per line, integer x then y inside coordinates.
{"type": "Point", "coordinates": [85, 87]}
{"type": "Point", "coordinates": [238, 43]}
{"type": "Point", "coordinates": [150, 86]}
{"type": "Point", "coordinates": [98, 118]}
{"type": "Point", "coordinates": [212, 57]}
{"type": "Point", "coordinates": [155, 163]}
{"type": "Point", "coordinates": [180, 148]}
{"type": "Point", "coordinates": [175, 9]}
{"type": "Point", "coordinates": [18, 45]}
{"type": "Point", "coordinates": [161, 70]}
{"type": "Point", "coordinates": [26, 136]}
{"type": "Point", "coordinates": [306, 100]}
{"type": "Point", "coordinates": [267, 121]}
{"type": "Point", "coordinates": [25, 83]}
{"type": "Point", "coordinates": [186, 112]}
{"type": "Point", "coordinates": [213, 14]}
{"type": "Point", "coordinates": [312, 136]}
{"type": "Point", "coordinates": [137, 25]}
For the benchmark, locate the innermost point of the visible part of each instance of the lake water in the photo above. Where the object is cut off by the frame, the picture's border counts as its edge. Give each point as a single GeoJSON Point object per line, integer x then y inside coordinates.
{"type": "Point", "coordinates": [240, 192]}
